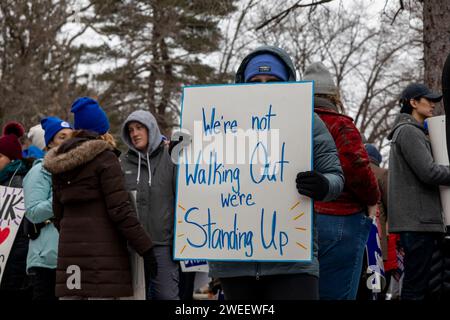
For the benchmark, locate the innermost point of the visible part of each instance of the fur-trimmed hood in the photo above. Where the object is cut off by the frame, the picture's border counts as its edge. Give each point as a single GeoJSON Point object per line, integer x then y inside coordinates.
{"type": "Point", "coordinates": [81, 154]}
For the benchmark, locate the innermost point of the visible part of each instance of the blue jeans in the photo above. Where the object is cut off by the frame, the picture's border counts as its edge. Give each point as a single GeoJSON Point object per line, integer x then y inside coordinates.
{"type": "Point", "coordinates": [342, 240]}
{"type": "Point", "coordinates": [165, 286]}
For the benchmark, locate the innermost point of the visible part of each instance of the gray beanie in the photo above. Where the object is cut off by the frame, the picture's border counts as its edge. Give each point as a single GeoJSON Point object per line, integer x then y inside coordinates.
{"type": "Point", "coordinates": [323, 82]}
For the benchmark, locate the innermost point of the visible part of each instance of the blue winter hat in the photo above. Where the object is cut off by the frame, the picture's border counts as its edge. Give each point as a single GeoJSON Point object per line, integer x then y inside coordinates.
{"type": "Point", "coordinates": [89, 115]}
{"type": "Point", "coordinates": [266, 64]}
{"type": "Point", "coordinates": [374, 154]}
{"type": "Point", "coordinates": [51, 126]}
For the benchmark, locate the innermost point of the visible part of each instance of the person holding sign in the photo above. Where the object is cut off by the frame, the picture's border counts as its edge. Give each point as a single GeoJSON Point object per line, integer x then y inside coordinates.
{"type": "Point", "coordinates": [93, 212]}
{"type": "Point", "coordinates": [14, 281]}
{"type": "Point", "coordinates": [415, 210]}
{"type": "Point", "coordinates": [150, 172]}
{"type": "Point", "coordinates": [43, 249]}
{"type": "Point", "coordinates": [342, 224]}
{"type": "Point", "coordinates": [283, 280]}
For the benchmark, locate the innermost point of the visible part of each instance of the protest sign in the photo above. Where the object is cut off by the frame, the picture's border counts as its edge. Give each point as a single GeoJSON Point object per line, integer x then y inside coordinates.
{"type": "Point", "coordinates": [236, 191]}
{"type": "Point", "coordinates": [12, 210]}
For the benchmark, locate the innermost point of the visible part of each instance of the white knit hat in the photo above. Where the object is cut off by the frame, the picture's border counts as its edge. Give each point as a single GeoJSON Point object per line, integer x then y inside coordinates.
{"type": "Point", "coordinates": [323, 82]}
{"type": "Point", "coordinates": [36, 135]}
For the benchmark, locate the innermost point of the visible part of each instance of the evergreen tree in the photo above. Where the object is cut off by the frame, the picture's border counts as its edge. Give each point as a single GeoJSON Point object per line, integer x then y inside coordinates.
{"type": "Point", "coordinates": [153, 48]}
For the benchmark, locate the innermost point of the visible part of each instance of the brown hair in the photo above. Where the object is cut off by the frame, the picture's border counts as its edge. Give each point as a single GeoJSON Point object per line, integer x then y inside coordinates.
{"type": "Point", "coordinates": [333, 98]}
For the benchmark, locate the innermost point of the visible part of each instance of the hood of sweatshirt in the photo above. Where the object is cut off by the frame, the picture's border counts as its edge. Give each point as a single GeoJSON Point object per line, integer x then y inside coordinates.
{"type": "Point", "coordinates": [278, 52]}
{"type": "Point", "coordinates": [148, 120]}
{"type": "Point", "coordinates": [405, 119]}
{"type": "Point", "coordinates": [154, 138]}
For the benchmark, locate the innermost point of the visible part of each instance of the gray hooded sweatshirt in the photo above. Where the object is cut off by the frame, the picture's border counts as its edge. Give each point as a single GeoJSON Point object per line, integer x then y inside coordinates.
{"type": "Point", "coordinates": [414, 179]}
{"type": "Point", "coordinates": [326, 161]}
{"type": "Point", "coordinates": [152, 175]}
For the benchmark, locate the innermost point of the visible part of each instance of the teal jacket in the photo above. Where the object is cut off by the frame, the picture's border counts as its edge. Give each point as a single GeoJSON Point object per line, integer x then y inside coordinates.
{"type": "Point", "coordinates": [37, 188]}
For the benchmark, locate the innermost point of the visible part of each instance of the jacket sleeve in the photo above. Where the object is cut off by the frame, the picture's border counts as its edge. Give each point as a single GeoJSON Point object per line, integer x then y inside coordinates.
{"type": "Point", "coordinates": [37, 189]}
{"type": "Point", "coordinates": [359, 177]}
{"type": "Point", "coordinates": [326, 159]}
{"type": "Point", "coordinates": [416, 152]}
{"type": "Point", "coordinates": [118, 204]}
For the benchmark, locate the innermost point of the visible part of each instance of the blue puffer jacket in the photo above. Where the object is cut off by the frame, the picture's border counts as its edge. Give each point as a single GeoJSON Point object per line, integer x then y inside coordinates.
{"type": "Point", "coordinates": [326, 161]}
{"type": "Point", "coordinates": [37, 188]}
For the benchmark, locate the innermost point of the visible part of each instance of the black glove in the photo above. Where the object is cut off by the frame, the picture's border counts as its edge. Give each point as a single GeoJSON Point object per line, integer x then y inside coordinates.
{"type": "Point", "coordinates": [312, 184]}
{"type": "Point", "coordinates": [150, 265]}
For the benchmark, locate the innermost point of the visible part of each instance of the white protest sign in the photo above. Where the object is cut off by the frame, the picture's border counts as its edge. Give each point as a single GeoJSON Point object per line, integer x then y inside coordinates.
{"type": "Point", "coordinates": [12, 210]}
{"type": "Point", "coordinates": [436, 128]}
{"type": "Point", "coordinates": [236, 191]}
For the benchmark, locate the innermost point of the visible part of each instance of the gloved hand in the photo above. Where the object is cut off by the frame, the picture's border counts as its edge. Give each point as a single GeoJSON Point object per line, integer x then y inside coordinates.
{"type": "Point", "coordinates": [312, 184]}
{"type": "Point", "coordinates": [150, 265]}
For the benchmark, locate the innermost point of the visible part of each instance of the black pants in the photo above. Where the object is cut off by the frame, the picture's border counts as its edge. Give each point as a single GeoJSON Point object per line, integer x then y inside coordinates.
{"type": "Point", "coordinates": [277, 287]}
{"type": "Point", "coordinates": [186, 285]}
{"type": "Point", "coordinates": [418, 248]}
{"type": "Point", "coordinates": [43, 281]}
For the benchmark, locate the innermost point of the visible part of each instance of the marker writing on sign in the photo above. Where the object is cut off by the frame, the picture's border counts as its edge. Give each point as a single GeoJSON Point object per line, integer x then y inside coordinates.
{"type": "Point", "coordinates": [215, 173]}
{"type": "Point", "coordinates": [262, 124]}
{"type": "Point", "coordinates": [236, 199]}
{"type": "Point", "coordinates": [216, 237]}
{"type": "Point", "coordinates": [214, 126]}
{"type": "Point", "coordinates": [7, 209]}
{"type": "Point", "coordinates": [270, 175]}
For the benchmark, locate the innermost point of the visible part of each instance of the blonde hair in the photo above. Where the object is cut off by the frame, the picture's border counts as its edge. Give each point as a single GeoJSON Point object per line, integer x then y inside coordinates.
{"type": "Point", "coordinates": [105, 137]}
{"type": "Point", "coordinates": [108, 137]}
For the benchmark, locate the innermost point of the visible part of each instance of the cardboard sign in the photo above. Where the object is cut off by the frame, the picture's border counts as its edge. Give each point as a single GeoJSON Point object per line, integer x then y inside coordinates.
{"type": "Point", "coordinates": [236, 191]}
{"type": "Point", "coordinates": [12, 210]}
{"type": "Point", "coordinates": [436, 128]}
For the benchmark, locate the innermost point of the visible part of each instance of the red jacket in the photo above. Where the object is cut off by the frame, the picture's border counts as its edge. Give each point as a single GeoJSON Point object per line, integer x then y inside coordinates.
{"type": "Point", "coordinates": [361, 187]}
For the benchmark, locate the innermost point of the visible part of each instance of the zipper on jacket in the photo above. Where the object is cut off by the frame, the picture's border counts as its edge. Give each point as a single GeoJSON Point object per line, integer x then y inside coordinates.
{"type": "Point", "coordinates": [258, 270]}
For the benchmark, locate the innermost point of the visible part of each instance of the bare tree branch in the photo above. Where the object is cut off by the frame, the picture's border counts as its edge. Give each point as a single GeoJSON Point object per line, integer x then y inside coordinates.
{"type": "Point", "coordinates": [283, 14]}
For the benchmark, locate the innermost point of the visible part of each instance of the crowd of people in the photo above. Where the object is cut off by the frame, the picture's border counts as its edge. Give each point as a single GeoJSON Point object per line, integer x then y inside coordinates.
{"type": "Point", "coordinates": [87, 204]}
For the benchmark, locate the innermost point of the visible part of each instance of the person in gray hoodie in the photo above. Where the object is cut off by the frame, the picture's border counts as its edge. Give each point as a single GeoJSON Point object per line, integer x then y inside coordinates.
{"type": "Point", "coordinates": [415, 211]}
{"type": "Point", "coordinates": [150, 175]}
{"type": "Point", "coordinates": [284, 280]}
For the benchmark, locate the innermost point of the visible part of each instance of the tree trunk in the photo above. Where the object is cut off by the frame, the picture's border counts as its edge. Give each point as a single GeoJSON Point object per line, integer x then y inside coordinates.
{"type": "Point", "coordinates": [436, 43]}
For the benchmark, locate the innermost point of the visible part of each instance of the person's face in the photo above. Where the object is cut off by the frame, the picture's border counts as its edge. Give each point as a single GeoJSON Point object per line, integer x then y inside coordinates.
{"type": "Point", "coordinates": [138, 135]}
{"type": "Point", "coordinates": [60, 137]}
{"type": "Point", "coordinates": [4, 161]}
{"type": "Point", "coordinates": [424, 108]}
{"type": "Point", "coordinates": [262, 78]}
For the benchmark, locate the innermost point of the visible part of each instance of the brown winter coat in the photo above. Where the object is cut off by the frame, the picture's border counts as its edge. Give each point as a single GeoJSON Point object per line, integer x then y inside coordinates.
{"type": "Point", "coordinates": [95, 218]}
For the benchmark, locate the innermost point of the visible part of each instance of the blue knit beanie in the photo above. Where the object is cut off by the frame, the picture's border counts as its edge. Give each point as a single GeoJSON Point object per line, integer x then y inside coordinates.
{"type": "Point", "coordinates": [89, 115]}
{"type": "Point", "coordinates": [266, 64]}
{"type": "Point", "coordinates": [51, 126]}
{"type": "Point", "coordinates": [374, 154]}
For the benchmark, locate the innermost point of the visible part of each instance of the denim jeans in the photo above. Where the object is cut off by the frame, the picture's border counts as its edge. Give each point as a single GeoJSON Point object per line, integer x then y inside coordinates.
{"type": "Point", "coordinates": [342, 240]}
{"type": "Point", "coordinates": [165, 286]}
{"type": "Point", "coordinates": [418, 248]}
